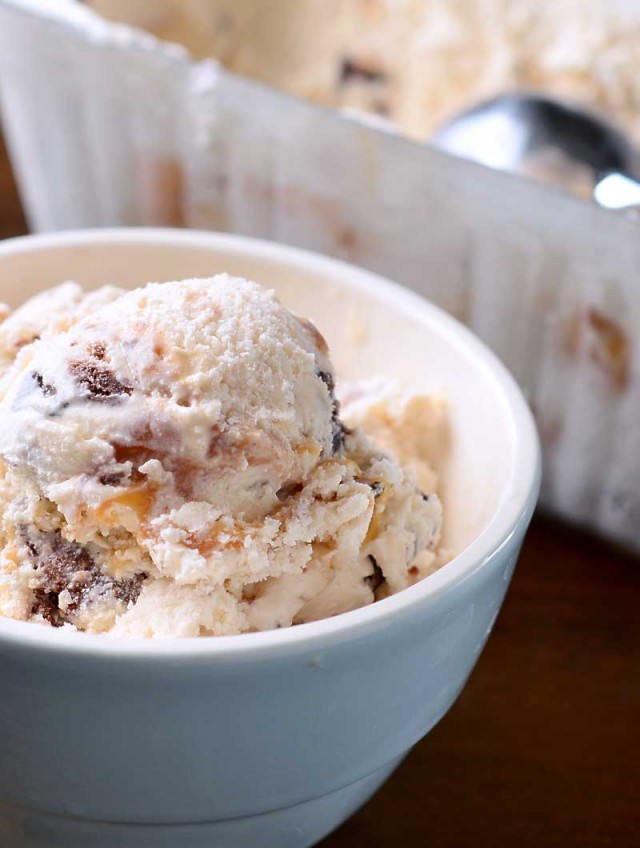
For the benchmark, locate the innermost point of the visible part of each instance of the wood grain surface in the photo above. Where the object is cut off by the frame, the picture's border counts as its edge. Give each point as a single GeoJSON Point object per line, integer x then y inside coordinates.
{"type": "Point", "coordinates": [543, 747]}
{"type": "Point", "coordinates": [12, 221]}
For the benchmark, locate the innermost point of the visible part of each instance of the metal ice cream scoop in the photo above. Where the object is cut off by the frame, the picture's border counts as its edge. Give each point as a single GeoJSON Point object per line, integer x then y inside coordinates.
{"type": "Point", "coordinates": [535, 135]}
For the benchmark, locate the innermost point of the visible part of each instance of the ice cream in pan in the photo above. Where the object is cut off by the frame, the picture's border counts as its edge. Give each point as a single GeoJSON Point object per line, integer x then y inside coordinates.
{"type": "Point", "coordinates": [174, 462]}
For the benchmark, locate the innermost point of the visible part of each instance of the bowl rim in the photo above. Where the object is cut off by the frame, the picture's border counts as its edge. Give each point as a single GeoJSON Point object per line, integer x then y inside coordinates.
{"type": "Point", "coordinates": [516, 505]}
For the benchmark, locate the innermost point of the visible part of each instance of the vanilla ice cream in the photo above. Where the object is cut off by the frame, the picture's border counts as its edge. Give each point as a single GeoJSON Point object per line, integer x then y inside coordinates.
{"type": "Point", "coordinates": [416, 62]}
{"type": "Point", "coordinates": [174, 463]}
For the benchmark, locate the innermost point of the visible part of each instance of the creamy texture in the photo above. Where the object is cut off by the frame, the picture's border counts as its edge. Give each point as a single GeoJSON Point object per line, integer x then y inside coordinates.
{"type": "Point", "coordinates": [416, 62]}
{"type": "Point", "coordinates": [174, 464]}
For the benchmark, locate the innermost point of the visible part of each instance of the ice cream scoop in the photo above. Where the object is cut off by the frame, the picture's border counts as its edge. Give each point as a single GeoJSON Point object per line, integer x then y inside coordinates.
{"type": "Point", "coordinates": [175, 464]}
{"type": "Point", "coordinates": [536, 135]}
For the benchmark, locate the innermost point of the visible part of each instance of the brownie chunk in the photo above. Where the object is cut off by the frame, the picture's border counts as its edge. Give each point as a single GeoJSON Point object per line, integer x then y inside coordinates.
{"type": "Point", "coordinates": [64, 566]}
{"type": "Point", "coordinates": [99, 383]}
{"type": "Point", "coordinates": [98, 350]}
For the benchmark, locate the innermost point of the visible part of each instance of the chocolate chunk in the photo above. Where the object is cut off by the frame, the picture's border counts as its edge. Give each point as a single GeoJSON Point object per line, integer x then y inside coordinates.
{"type": "Point", "coordinates": [425, 497]}
{"type": "Point", "coordinates": [351, 71]}
{"type": "Point", "coordinates": [64, 566]}
{"type": "Point", "coordinates": [46, 605]}
{"type": "Point", "coordinates": [376, 578]}
{"type": "Point", "coordinates": [327, 379]}
{"type": "Point", "coordinates": [98, 350]}
{"type": "Point", "coordinates": [32, 548]}
{"type": "Point", "coordinates": [113, 479]}
{"type": "Point", "coordinates": [58, 410]}
{"type": "Point", "coordinates": [288, 491]}
{"type": "Point", "coordinates": [338, 429]}
{"type": "Point", "coordinates": [46, 388]}
{"type": "Point", "coordinates": [129, 590]}
{"type": "Point", "coordinates": [100, 383]}
{"type": "Point", "coordinates": [67, 566]}
{"type": "Point", "coordinates": [377, 489]}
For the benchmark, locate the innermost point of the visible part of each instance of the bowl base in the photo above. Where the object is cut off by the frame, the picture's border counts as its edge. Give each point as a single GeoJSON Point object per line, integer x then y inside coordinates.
{"type": "Point", "coordinates": [299, 826]}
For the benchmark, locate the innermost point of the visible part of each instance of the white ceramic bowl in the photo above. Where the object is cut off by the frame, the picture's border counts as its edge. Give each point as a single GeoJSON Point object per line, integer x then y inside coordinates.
{"type": "Point", "coordinates": [265, 739]}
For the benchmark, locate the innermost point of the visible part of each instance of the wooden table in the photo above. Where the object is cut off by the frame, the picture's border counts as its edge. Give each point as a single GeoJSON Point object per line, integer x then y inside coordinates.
{"type": "Point", "coordinates": [543, 747]}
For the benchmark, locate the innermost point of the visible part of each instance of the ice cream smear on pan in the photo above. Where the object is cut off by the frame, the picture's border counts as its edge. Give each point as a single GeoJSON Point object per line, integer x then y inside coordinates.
{"type": "Point", "coordinates": [175, 463]}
